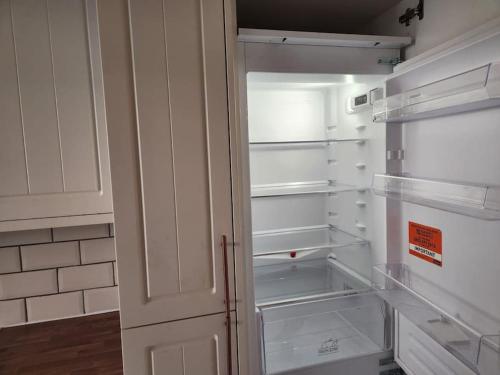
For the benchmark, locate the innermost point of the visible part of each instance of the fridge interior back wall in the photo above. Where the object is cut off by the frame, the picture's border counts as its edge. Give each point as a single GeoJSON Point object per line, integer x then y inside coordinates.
{"type": "Point", "coordinates": [311, 162]}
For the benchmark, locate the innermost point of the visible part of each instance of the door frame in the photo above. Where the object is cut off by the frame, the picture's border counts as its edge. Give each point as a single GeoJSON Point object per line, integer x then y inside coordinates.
{"type": "Point", "coordinates": [246, 356]}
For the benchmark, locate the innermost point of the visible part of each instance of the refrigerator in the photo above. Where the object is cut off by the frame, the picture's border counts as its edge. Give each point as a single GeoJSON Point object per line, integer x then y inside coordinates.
{"type": "Point", "coordinates": [373, 203]}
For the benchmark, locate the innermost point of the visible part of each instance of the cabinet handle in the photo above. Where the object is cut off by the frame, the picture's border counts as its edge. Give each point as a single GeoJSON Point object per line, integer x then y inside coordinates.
{"type": "Point", "coordinates": [228, 306]}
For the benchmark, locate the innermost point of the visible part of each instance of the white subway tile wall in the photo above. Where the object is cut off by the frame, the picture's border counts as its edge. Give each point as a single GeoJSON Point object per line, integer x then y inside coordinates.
{"type": "Point", "coordinates": [26, 284]}
{"type": "Point", "coordinates": [80, 233]}
{"type": "Point", "coordinates": [12, 312]}
{"type": "Point", "coordinates": [86, 277]}
{"type": "Point", "coordinates": [57, 306]}
{"type": "Point", "coordinates": [51, 255]}
{"type": "Point", "coordinates": [24, 237]}
{"type": "Point", "coordinates": [10, 260]}
{"type": "Point", "coordinates": [97, 251]}
{"type": "Point", "coordinates": [57, 273]}
{"type": "Point", "coordinates": [101, 299]}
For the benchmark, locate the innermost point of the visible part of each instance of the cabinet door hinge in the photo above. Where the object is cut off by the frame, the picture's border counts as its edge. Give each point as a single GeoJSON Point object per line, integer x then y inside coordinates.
{"type": "Point", "coordinates": [393, 61]}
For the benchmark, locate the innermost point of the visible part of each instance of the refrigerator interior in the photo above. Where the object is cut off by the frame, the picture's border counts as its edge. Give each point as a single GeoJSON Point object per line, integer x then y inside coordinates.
{"type": "Point", "coordinates": [317, 228]}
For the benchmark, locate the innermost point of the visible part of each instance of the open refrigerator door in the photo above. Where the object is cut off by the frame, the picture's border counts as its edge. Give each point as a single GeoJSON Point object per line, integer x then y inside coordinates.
{"type": "Point", "coordinates": [443, 209]}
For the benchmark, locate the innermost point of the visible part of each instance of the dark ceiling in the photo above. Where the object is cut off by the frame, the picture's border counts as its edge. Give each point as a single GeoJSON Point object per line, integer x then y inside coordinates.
{"type": "Point", "coordinates": [333, 16]}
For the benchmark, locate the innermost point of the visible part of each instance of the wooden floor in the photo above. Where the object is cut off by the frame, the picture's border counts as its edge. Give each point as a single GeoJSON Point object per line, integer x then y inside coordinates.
{"type": "Point", "coordinates": [86, 345]}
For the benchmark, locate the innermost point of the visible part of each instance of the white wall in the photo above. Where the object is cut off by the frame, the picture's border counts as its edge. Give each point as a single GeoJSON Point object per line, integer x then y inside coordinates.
{"type": "Point", "coordinates": [443, 20]}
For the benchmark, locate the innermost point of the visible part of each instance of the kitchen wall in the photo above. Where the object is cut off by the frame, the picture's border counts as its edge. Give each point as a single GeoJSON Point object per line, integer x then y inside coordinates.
{"type": "Point", "coordinates": [443, 20]}
{"type": "Point", "coordinates": [57, 273]}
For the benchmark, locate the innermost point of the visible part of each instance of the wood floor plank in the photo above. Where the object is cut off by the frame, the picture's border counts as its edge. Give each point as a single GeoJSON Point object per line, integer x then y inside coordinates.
{"type": "Point", "coordinates": [78, 346]}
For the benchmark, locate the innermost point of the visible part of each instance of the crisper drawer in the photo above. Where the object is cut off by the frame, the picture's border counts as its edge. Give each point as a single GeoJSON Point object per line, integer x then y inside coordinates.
{"type": "Point", "coordinates": [308, 334]}
{"type": "Point", "coordinates": [419, 354]}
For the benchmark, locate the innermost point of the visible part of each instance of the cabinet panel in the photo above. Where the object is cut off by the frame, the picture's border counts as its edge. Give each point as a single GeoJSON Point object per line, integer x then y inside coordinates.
{"type": "Point", "coordinates": [13, 176]}
{"type": "Point", "coordinates": [189, 347]}
{"type": "Point", "coordinates": [37, 95]}
{"type": "Point", "coordinates": [74, 94]}
{"type": "Point", "coordinates": [186, 71]}
{"type": "Point", "coordinates": [54, 157]}
{"type": "Point", "coordinates": [170, 156]}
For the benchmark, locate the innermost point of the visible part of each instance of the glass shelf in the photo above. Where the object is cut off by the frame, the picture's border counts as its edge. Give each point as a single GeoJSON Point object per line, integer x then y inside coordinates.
{"type": "Point", "coordinates": [303, 335]}
{"type": "Point", "coordinates": [297, 280]}
{"type": "Point", "coordinates": [402, 289]}
{"type": "Point", "coordinates": [321, 142]}
{"type": "Point", "coordinates": [290, 241]}
{"type": "Point", "coordinates": [301, 188]}
{"type": "Point", "coordinates": [471, 90]}
{"type": "Point", "coordinates": [480, 201]}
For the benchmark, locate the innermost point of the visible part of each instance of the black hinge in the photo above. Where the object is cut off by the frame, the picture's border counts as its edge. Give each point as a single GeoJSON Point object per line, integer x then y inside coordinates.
{"type": "Point", "coordinates": [389, 61]}
{"type": "Point", "coordinates": [411, 13]}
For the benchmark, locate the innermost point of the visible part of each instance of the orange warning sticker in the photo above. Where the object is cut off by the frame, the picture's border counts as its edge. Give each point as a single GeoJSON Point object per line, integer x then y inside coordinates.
{"type": "Point", "coordinates": [426, 243]}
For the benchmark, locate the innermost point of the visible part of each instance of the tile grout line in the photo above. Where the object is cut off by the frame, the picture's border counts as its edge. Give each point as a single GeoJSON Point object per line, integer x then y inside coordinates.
{"type": "Point", "coordinates": [80, 251]}
{"type": "Point", "coordinates": [62, 241]}
{"type": "Point", "coordinates": [25, 309]}
{"type": "Point", "coordinates": [20, 258]}
{"type": "Point", "coordinates": [52, 239]}
{"type": "Point", "coordinates": [57, 281]}
{"type": "Point", "coordinates": [83, 302]}
{"type": "Point", "coordinates": [56, 294]}
{"type": "Point", "coordinates": [58, 267]}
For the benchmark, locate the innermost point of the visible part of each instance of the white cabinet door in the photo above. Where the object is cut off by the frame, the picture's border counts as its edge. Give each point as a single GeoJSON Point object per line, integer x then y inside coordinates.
{"type": "Point", "coordinates": [53, 145]}
{"type": "Point", "coordinates": [189, 347]}
{"type": "Point", "coordinates": [166, 103]}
